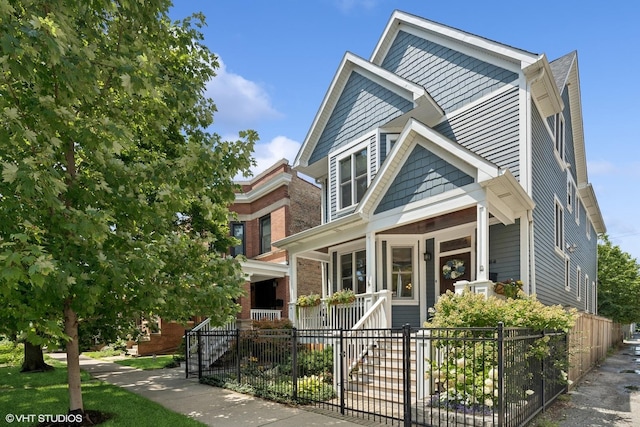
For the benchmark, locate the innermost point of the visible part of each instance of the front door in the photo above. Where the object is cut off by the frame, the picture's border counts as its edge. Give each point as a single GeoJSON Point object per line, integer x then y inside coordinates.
{"type": "Point", "coordinates": [454, 268]}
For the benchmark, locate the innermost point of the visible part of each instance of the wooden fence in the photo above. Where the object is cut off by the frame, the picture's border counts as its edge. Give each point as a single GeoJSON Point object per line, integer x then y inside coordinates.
{"type": "Point", "coordinates": [589, 340]}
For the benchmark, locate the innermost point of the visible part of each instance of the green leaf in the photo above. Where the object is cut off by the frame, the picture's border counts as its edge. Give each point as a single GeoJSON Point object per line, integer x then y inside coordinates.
{"type": "Point", "coordinates": [9, 172]}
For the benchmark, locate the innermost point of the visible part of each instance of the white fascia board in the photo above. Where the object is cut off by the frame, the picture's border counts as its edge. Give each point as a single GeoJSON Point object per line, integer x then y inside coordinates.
{"type": "Point", "coordinates": [466, 160]}
{"type": "Point", "coordinates": [543, 87]}
{"type": "Point", "coordinates": [318, 232]}
{"type": "Point", "coordinates": [263, 190]}
{"type": "Point", "coordinates": [577, 124]}
{"type": "Point", "coordinates": [263, 268]}
{"type": "Point", "coordinates": [441, 204]}
{"type": "Point", "coordinates": [590, 202]}
{"type": "Point", "coordinates": [479, 47]}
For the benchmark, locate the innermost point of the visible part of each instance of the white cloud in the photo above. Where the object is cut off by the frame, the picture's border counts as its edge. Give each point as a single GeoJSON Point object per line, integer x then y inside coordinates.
{"type": "Point", "coordinates": [241, 103]}
{"type": "Point", "coordinates": [278, 148]}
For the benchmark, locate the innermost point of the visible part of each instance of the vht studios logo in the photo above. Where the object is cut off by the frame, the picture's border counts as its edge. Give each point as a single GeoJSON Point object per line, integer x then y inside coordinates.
{"type": "Point", "coordinates": [43, 418]}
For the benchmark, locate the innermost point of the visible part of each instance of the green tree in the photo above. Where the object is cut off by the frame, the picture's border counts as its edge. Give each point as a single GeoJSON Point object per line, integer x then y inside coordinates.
{"type": "Point", "coordinates": [113, 197]}
{"type": "Point", "coordinates": [618, 283]}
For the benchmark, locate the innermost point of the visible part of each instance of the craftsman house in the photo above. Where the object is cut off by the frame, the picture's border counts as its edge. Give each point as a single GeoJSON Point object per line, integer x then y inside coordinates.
{"type": "Point", "coordinates": [447, 158]}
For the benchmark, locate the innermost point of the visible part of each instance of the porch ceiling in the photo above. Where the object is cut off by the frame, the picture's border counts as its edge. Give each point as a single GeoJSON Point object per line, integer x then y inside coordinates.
{"type": "Point", "coordinates": [257, 271]}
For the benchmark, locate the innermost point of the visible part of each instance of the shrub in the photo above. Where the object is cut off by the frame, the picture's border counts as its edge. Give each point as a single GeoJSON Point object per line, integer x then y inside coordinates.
{"type": "Point", "coordinates": [272, 324]}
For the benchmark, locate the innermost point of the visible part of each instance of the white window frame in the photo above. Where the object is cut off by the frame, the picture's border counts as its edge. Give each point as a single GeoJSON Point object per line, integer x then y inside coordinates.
{"type": "Point", "coordinates": [401, 242]}
{"type": "Point", "coordinates": [588, 226]}
{"type": "Point", "coordinates": [586, 292]}
{"type": "Point", "coordinates": [558, 225]}
{"type": "Point", "coordinates": [354, 283]}
{"type": "Point", "coordinates": [578, 283]}
{"type": "Point", "coordinates": [350, 153]}
{"type": "Point", "coordinates": [559, 139]}
{"type": "Point", "coordinates": [347, 248]}
{"type": "Point", "coordinates": [390, 139]}
{"type": "Point", "coordinates": [567, 273]}
{"type": "Point", "coordinates": [571, 193]}
{"type": "Point", "coordinates": [577, 209]}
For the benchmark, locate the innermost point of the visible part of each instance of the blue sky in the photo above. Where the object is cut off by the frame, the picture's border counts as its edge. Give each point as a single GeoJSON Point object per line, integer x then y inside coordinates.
{"type": "Point", "coordinates": [278, 58]}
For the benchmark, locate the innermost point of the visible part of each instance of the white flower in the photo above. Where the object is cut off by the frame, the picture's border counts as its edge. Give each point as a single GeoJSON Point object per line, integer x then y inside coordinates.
{"type": "Point", "coordinates": [460, 362]}
{"type": "Point", "coordinates": [488, 382]}
{"type": "Point", "coordinates": [569, 382]}
{"type": "Point", "coordinates": [488, 402]}
{"type": "Point", "coordinates": [529, 392]}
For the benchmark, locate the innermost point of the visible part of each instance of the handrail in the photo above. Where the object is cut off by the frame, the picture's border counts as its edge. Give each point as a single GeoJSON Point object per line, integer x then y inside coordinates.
{"type": "Point", "coordinates": [368, 321]}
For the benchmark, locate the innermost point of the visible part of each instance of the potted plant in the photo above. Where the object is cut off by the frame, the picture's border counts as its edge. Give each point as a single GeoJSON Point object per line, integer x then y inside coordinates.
{"type": "Point", "coordinates": [311, 300]}
{"type": "Point", "coordinates": [509, 289]}
{"type": "Point", "coordinates": [345, 296]}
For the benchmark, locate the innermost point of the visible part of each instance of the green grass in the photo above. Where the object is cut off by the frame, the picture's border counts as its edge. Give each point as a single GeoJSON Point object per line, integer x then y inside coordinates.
{"type": "Point", "coordinates": [46, 393]}
{"type": "Point", "coordinates": [103, 353]}
{"type": "Point", "coordinates": [146, 363]}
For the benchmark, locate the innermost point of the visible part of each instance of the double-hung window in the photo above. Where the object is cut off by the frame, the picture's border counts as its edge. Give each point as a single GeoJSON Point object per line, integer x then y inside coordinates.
{"type": "Point", "coordinates": [353, 271]}
{"type": "Point", "coordinates": [559, 226]}
{"type": "Point", "coordinates": [265, 234]}
{"type": "Point", "coordinates": [559, 134]}
{"type": "Point", "coordinates": [237, 231]}
{"type": "Point", "coordinates": [353, 177]}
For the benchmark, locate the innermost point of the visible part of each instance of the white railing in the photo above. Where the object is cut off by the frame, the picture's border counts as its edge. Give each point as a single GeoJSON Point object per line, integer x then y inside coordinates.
{"type": "Point", "coordinates": [260, 314]}
{"type": "Point", "coordinates": [212, 346]}
{"type": "Point", "coordinates": [341, 316]}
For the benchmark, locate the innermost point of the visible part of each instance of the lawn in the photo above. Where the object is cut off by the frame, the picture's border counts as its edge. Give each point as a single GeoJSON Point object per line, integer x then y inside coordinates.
{"type": "Point", "coordinates": [146, 363]}
{"type": "Point", "coordinates": [46, 393]}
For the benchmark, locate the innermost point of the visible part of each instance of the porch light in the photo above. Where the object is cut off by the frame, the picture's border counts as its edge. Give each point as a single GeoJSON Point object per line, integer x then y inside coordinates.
{"type": "Point", "coordinates": [427, 256]}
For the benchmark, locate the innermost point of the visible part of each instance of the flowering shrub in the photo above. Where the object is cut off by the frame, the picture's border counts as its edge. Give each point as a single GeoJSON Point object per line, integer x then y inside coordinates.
{"type": "Point", "coordinates": [510, 289]}
{"type": "Point", "coordinates": [345, 296]}
{"type": "Point", "coordinates": [310, 300]}
{"type": "Point", "coordinates": [465, 374]}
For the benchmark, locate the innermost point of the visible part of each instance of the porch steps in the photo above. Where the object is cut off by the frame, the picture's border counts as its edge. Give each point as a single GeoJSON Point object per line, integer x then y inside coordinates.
{"type": "Point", "coordinates": [379, 374]}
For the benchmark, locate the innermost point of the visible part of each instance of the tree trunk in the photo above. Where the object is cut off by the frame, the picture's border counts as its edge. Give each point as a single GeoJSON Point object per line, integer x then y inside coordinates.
{"type": "Point", "coordinates": [73, 359]}
{"type": "Point", "coordinates": [34, 359]}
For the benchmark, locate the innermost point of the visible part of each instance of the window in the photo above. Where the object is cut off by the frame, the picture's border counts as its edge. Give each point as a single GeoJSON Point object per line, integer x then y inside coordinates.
{"type": "Point", "coordinates": [402, 272]}
{"type": "Point", "coordinates": [578, 203]}
{"type": "Point", "coordinates": [578, 283]}
{"type": "Point", "coordinates": [237, 231]}
{"type": "Point", "coordinates": [559, 226]}
{"type": "Point", "coordinates": [559, 134]}
{"type": "Point", "coordinates": [588, 226]}
{"type": "Point", "coordinates": [353, 178]}
{"type": "Point", "coordinates": [571, 191]}
{"type": "Point", "coordinates": [390, 141]}
{"type": "Point", "coordinates": [567, 282]}
{"type": "Point", "coordinates": [353, 271]}
{"type": "Point", "coordinates": [265, 234]}
{"type": "Point", "coordinates": [586, 292]}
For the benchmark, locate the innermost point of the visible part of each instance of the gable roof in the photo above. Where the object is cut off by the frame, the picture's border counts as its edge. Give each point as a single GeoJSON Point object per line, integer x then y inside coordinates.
{"type": "Point", "coordinates": [567, 77]}
{"type": "Point", "coordinates": [350, 63]}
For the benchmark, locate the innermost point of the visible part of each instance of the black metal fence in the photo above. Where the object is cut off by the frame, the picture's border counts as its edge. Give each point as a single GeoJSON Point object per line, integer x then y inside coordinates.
{"type": "Point", "coordinates": [407, 376]}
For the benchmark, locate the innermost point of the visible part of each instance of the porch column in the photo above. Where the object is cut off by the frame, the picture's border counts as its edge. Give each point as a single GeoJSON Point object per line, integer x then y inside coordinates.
{"type": "Point", "coordinates": [370, 248]}
{"type": "Point", "coordinates": [482, 255]}
{"type": "Point", "coordinates": [293, 283]}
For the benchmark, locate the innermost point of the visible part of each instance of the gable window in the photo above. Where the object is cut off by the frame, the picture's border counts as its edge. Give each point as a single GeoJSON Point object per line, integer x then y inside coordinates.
{"type": "Point", "coordinates": [559, 226]}
{"type": "Point", "coordinates": [353, 177]}
{"type": "Point", "coordinates": [559, 133]}
{"type": "Point", "coordinates": [390, 141]}
{"type": "Point", "coordinates": [237, 231]}
{"type": "Point", "coordinates": [353, 271]}
{"type": "Point", "coordinates": [265, 234]}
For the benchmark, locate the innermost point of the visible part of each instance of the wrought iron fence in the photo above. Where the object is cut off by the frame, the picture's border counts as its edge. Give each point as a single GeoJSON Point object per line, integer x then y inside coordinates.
{"type": "Point", "coordinates": [405, 376]}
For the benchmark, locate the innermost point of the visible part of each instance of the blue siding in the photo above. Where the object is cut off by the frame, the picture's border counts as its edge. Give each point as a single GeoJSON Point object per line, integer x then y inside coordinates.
{"type": "Point", "coordinates": [504, 251]}
{"type": "Point", "coordinates": [548, 179]}
{"type": "Point", "coordinates": [403, 314]}
{"type": "Point", "coordinates": [362, 106]}
{"type": "Point", "coordinates": [452, 78]}
{"type": "Point", "coordinates": [490, 129]}
{"type": "Point", "coordinates": [423, 175]}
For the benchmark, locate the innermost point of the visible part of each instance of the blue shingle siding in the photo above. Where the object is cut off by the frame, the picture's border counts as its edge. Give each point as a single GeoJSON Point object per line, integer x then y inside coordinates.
{"type": "Point", "coordinates": [403, 314]}
{"type": "Point", "coordinates": [452, 78]}
{"type": "Point", "coordinates": [504, 251]}
{"type": "Point", "coordinates": [423, 175]}
{"type": "Point", "coordinates": [547, 180]}
{"type": "Point", "coordinates": [362, 106]}
{"type": "Point", "coordinates": [490, 129]}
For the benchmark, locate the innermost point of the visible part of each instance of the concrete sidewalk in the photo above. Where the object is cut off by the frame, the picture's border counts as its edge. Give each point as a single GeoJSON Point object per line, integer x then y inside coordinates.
{"type": "Point", "coordinates": [210, 405]}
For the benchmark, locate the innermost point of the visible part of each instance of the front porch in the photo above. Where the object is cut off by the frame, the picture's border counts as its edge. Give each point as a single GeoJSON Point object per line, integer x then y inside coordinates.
{"type": "Point", "coordinates": [411, 255]}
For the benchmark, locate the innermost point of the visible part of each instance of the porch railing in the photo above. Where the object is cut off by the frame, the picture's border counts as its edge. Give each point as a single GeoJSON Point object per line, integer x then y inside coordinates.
{"type": "Point", "coordinates": [262, 314]}
{"type": "Point", "coordinates": [345, 316]}
{"type": "Point", "coordinates": [205, 352]}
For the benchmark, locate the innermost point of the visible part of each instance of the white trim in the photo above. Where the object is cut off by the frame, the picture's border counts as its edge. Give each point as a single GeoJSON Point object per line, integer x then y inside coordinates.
{"type": "Point", "coordinates": [586, 293]}
{"type": "Point", "coordinates": [560, 130]}
{"type": "Point", "coordinates": [558, 204]}
{"type": "Point", "coordinates": [258, 192]}
{"type": "Point", "coordinates": [404, 241]}
{"type": "Point", "coordinates": [263, 212]}
{"type": "Point", "coordinates": [578, 283]}
{"type": "Point", "coordinates": [362, 144]}
{"type": "Point", "coordinates": [567, 273]}
{"type": "Point", "coordinates": [571, 193]}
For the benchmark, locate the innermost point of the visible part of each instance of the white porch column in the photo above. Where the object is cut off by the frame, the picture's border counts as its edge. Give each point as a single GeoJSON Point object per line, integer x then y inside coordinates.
{"type": "Point", "coordinates": [293, 278]}
{"type": "Point", "coordinates": [370, 247]}
{"type": "Point", "coordinates": [482, 254]}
